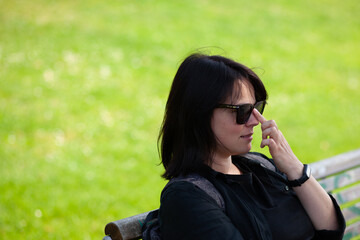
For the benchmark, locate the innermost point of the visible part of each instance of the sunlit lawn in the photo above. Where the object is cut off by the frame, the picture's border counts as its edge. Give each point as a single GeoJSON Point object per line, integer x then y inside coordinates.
{"type": "Point", "coordinates": [83, 86]}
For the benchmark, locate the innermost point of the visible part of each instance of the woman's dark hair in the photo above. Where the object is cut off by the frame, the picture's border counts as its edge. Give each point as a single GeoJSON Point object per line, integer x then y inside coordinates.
{"type": "Point", "coordinates": [186, 139]}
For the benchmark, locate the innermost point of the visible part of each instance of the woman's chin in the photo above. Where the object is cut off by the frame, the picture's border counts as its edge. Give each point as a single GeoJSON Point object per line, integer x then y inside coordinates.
{"type": "Point", "coordinates": [248, 147]}
{"type": "Point", "coordinates": [245, 149]}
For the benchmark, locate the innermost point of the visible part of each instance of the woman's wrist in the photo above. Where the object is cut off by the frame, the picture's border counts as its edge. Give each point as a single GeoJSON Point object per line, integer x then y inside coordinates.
{"type": "Point", "coordinates": [295, 172]}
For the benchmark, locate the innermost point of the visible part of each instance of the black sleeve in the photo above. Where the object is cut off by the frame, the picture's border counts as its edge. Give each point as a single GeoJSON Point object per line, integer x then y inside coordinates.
{"type": "Point", "coordinates": [333, 234]}
{"type": "Point", "coordinates": [187, 212]}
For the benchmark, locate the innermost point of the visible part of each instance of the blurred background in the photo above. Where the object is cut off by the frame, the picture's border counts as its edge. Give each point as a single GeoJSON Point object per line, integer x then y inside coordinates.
{"type": "Point", "coordinates": [83, 86]}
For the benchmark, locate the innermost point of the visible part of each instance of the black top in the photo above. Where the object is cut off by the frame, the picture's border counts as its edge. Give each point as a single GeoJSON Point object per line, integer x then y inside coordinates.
{"type": "Point", "coordinates": [258, 205]}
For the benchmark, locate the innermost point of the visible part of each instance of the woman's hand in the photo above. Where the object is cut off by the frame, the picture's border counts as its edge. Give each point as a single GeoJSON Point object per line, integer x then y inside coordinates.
{"type": "Point", "coordinates": [280, 150]}
{"type": "Point", "coordinates": [312, 196]}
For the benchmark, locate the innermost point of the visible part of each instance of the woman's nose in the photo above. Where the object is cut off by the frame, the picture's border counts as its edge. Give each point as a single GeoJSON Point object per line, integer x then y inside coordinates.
{"type": "Point", "coordinates": [252, 120]}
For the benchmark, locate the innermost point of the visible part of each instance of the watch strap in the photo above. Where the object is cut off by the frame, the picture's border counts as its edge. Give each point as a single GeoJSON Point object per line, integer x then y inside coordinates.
{"type": "Point", "coordinates": [305, 176]}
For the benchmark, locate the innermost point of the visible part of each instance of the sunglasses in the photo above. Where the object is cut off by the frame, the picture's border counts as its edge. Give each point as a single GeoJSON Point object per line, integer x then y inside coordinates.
{"type": "Point", "coordinates": [243, 112]}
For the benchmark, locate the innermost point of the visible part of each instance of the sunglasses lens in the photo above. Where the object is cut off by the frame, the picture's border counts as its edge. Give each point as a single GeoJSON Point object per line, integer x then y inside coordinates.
{"type": "Point", "coordinates": [260, 106]}
{"type": "Point", "coordinates": [243, 113]}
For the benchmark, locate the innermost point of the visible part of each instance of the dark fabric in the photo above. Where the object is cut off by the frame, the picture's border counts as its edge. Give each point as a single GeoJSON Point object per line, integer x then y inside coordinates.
{"type": "Point", "coordinates": [258, 205]}
{"type": "Point", "coordinates": [203, 184]}
{"type": "Point", "coordinates": [151, 228]}
{"type": "Point", "coordinates": [239, 203]}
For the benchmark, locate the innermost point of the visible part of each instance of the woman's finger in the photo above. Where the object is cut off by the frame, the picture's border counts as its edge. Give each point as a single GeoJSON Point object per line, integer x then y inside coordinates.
{"type": "Point", "coordinates": [271, 132]}
{"type": "Point", "coordinates": [268, 142]}
{"type": "Point", "coordinates": [258, 116]}
{"type": "Point", "coordinates": [269, 124]}
{"type": "Point", "coordinates": [264, 123]}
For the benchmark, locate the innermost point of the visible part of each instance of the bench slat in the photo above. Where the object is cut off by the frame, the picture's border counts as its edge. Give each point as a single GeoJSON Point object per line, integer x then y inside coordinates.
{"type": "Point", "coordinates": [348, 194]}
{"type": "Point", "coordinates": [351, 212]}
{"type": "Point", "coordinates": [335, 164]}
{"type": "Point", "coordinates": [352, 230]}
{"type": "Point", "coordinates": [341, 180]}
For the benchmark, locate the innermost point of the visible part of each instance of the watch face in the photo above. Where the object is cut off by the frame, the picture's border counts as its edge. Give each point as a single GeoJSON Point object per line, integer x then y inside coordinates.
{"type": "Point", "coordinates": [308, 171]}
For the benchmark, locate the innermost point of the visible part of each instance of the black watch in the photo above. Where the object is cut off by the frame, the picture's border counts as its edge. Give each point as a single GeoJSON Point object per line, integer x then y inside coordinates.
{"type": "Point", "coordinates": [305, 176]}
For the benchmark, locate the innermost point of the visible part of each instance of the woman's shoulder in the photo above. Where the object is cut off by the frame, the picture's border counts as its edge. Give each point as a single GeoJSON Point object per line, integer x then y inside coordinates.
{"type": "Point", "coordinates": [178, 187]}
{"type": "Point", "coordinates": [185, 193]}
{"type": "Point", "coordinates": [183, 189]}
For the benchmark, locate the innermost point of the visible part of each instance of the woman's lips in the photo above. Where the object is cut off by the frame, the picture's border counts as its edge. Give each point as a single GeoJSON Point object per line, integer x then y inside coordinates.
{"type": "Point", "coordinates": [248, 136]}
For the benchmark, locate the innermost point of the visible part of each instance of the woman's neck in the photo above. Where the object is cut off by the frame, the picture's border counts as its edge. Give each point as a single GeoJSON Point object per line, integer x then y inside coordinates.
{"type": "Point", "coordinates": [224, 165]}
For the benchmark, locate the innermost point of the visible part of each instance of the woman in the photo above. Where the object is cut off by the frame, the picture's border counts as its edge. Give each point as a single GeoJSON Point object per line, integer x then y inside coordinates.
{"type": "Point", "coordinates": [213, 106]}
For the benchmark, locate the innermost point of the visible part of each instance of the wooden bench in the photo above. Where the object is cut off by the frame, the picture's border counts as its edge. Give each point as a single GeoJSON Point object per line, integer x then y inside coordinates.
{"type": "Point", "coordinates": [339, 175]}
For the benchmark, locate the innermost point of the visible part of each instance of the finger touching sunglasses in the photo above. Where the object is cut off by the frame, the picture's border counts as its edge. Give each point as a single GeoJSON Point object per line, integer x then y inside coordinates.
{"type": "Point", "coordinates": [279, 148]}
{"type": "Point", "coordinates": [243, 111]}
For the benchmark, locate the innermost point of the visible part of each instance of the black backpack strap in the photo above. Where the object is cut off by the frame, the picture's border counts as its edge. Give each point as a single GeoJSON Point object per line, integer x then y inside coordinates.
{"type": "Point", "coordinates": [204, 185]}
{"type": "Point", "coordinates": [261, 159]}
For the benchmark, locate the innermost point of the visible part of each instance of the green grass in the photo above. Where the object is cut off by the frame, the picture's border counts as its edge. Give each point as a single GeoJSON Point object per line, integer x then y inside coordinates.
{"type": "Point", "coordinates": [83, 86]}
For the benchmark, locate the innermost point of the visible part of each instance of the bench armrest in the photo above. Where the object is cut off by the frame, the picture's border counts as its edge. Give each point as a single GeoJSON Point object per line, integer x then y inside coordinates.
{"type": "Point", "coordinates": [127, 228]}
